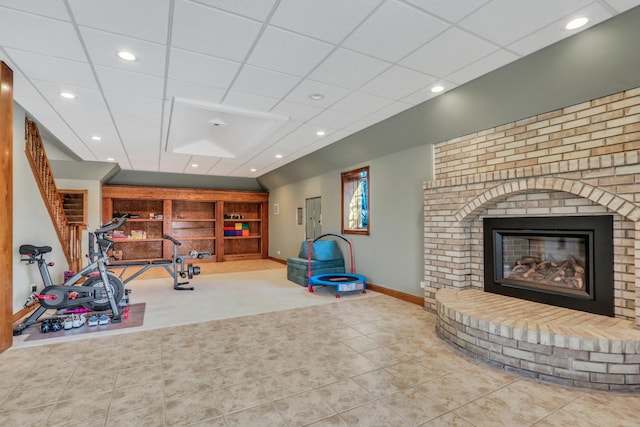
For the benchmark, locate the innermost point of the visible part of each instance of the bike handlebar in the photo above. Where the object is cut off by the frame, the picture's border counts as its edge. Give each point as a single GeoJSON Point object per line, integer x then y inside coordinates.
{"type": "Point", "coordinates": [111, 225]}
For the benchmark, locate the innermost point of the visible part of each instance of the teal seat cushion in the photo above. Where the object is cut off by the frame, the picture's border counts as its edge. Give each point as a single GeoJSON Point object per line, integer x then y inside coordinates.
{"type": "Point", "coordinates": [321, 250]}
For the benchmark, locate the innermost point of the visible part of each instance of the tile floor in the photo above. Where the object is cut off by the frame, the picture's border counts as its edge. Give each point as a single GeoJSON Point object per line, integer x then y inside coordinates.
{"type": "Point", "coordinates": [370, 361]}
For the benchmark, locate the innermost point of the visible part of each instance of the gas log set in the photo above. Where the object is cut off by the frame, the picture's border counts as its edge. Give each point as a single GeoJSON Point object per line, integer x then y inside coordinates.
{"type": "Point", "coordinates": [567, 273]}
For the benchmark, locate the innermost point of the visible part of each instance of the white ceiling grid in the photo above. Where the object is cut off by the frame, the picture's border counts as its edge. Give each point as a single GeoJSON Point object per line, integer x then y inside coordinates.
{"type": "Point", "coordinates": [369, 59]}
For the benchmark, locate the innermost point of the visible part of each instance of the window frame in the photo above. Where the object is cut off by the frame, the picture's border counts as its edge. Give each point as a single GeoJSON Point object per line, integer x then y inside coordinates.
{"type": "Point", "coordinates": [348, 180]}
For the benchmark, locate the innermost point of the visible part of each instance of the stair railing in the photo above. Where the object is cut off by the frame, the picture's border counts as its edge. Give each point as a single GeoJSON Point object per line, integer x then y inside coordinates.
{"type": "Point", "coordinates": [70, 235]}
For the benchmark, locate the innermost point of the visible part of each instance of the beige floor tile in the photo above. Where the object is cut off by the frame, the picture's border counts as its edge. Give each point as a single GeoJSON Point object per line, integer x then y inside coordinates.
{"type": "Point", "coordinates": [192, 409]}
{"type": "Point", "coordinates": [528, 406]}
{"type": "Point", "coordinates": [448, 420]}
{"type": "Point", "coordinates": [241, 396]}
{"type": "Point", "coordinates": [485, 412]}
{"type": "Point", "coordinates": [264, 416]}
{"type": "Point", "coordinates": [380, 383]}
{"type": "Point", "coordinates": [83, 409]}
{"type": "Point", "coordinates": [26, 416]}
{"type": "Point", "coordinates": [305, 408]}
{"type": "Point", "coordinates": [139, 375]}
{"type": "Point", "coordinates": [373, 414]}
{"type": "Point", "coordinates": [334, 421]}
{"type": "Point", "coordinates": [344, 395]}
{"type": "Point", "coordinates": [414, 406]}
{"type": "Point", "coordinates": [151, 416]}
{"type": "Point", "coordinates": [137, 396]}
{"type": "Point", "coordinates": [182, 385]}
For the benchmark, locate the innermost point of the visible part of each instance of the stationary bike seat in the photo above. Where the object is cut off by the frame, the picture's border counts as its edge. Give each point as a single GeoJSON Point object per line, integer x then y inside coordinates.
{"type": "Point", "coordinates": [34, 250]}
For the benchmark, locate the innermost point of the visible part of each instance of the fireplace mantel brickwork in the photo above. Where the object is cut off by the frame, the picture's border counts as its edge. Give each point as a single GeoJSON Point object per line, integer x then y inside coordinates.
{"type": "Point", "coordinates": [579, 160]}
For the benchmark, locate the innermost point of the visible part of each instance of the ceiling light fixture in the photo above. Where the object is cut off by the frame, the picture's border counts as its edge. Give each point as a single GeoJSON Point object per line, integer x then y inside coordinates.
{"type": "Point", "coordinates": [110, 159]}
{"type": "Point", "coordinates": [320, 133]}
{"type": "Point", "coordinates": [127, 56]}
{"type": "Point", "coordinates": [316, 96]}
{"type": "Point", "coordinates": [253, 169]}
{"type": "Point", "coordinates": [194, 165]}
{"type": "Point", "coordinates": [96, 138]}
{"type": "Point", "coordinates": [576, 23]}
{"type": "Point", "coordinates": [278, 156]}
{"type": "Point", "coordinates": [437, 89]}
{"type": "Point", "coordinates": [67, 95]}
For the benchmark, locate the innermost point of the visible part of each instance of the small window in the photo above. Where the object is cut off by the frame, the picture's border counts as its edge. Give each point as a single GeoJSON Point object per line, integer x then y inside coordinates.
{"type": "Point", "coordinates": [355, 201]}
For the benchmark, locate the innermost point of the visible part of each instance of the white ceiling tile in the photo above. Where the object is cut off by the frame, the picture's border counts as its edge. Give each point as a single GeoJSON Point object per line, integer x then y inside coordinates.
{"type": "Point", "coordinates": [501, 20]}
{"type": "Point", "coordinates": [329, 20]}
{"type": "Point", "coordinates": [197, 68]}
{"type": "Point", "coordinates": [249, 101]}
{"type": "Point", "coordinates": [484, 65]}
{"type": "Point", "coordinates": [397, 82]}
{"type": "Point", "coordinates": [264, 82]}
{"type": "Point", "coordinates": [103, 48]}
{"type": "Point", "coordinates": [53, 37]}
{"type": "Point", "coordinates": [296, 111]}
{"type": "Point", "coordinates": [49, 68]}
{"type": "Point", "coordinates": [256, 9]}
{"type": "Point", "coordinates": [198, 92]}
{"type": "Point", "coordinates": [451, 10]}
{"type": "Point", "coordinates": [448, 52]}
{"type": "Point", "coordinates": [211, 31]}
{"type": "Point", "coordinates": [556, 31]}
{"type": "Point", "coordinates": [23, 90]}
{"type": "Point", "coordinates": [394, 31]}
{"type": "Point", "coordinates": [333, 119]}
{"type": "Point", "coordinates": [391, 110]}
{"type": "Point", "coordinates": [363, 123]}
{"type": "Point", "coordinates": [119, 81]}
{"type": "Point", "coordinates": [50, 119]}
{"type": "Point", "coordinates": [126, 103]}
{"type": "Point", "coordinates": [419, 97]}
{"type": "Point", "coordinates": [361, 103]}
{"type": "Point", "coordinates": [308, 87]}
{"type": "Point", "coordinates": [86, 97]}
{"type": "Point", "coordinates": [288, 52]}
{"type": "Point", "coordinates": [50, 8]}
{"type": "Point", "coordinates": [125, 17]}
{"type": "Point", "coordinates": [348, 69]}
{"type": "Point", "coordinates": [622, 5]}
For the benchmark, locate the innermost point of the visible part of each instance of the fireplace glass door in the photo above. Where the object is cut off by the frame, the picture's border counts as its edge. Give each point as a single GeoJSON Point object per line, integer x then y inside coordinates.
{"type": "Point", "coordinates": [545, 261]}
{"type": "Point", "coordinates": [563, 261]}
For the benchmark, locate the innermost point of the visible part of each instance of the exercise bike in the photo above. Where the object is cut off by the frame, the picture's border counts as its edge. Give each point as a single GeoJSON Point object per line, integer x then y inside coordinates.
{"type": "Point", "coordinates": [100, 291]}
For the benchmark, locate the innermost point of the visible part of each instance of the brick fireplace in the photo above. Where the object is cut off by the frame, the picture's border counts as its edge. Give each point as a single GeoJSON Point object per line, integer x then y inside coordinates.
{"type": "Point", "coordinates": [581, 160]}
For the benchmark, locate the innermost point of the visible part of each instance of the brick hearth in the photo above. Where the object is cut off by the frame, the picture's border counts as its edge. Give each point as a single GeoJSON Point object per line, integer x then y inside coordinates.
{"type": "Point", "coordinates": [549, 343]}
{"type": "Point", "coordinates": [579, 160]}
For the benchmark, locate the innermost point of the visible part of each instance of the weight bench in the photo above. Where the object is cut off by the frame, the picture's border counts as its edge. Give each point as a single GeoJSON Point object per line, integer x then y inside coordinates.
{"type": "Point", "coordinates": [174, 266]}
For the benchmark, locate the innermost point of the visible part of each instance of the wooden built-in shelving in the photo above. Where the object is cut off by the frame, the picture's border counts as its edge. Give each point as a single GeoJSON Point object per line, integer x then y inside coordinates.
{"type": "Point", "coordinates": [195, 217]}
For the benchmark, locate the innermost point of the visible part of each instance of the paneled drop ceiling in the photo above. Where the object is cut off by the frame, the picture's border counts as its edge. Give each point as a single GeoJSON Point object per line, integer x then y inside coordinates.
{"type": "Point", "coordinates": [241, 87]}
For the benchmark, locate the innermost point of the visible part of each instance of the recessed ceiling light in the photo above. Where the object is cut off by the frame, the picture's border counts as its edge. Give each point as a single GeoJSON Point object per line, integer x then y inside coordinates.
{"type": "Point", "coordinates": [253, 169]}
{"type": "Point", "coordinates": [576, 23]}
{"type": "Point", "coordinates": [320, 133]}
{"type": "Point", "coordinates": [96, 138]}
{"type": "Point", "coordinates": [67, 95]}
{"type": "Point", "coordinates": [194, 165]}
{"type": "Point", "coordinates": [316, 96]}
{"type": "Point", "coordinates": [278, 156]}
{"type": "Point", "coordinates": [127, 56]}
{"type": "Point", "coordinates": [110, 159]}
{"type": "Point", "coordinates": [437, 89]}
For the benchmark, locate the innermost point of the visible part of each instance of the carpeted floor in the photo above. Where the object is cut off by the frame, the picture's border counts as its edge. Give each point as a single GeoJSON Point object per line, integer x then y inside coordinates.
{"type": "Point", "coordinates": [239, 288]}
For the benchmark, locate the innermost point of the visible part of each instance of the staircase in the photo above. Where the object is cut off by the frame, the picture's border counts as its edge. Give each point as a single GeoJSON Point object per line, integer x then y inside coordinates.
{"type": "Point", "coordinates": [69, 234]}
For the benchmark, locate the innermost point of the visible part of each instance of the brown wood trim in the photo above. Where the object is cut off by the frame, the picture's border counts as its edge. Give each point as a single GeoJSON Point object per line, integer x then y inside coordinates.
{"type": "Point", "coordinates": [396, 294]}
{"type": "Point", "coordinates": [17, 317]}
{"type": "Point", "coordinates": [281, 261]}
{"type": "Point", "coordinates": [159, 193]}
{"type": "Point", "coordinates": [6, 209]}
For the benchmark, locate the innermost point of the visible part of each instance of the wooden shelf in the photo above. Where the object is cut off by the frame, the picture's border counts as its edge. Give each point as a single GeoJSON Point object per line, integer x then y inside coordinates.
{"type": "Point", "coordinates": [195, 217]}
